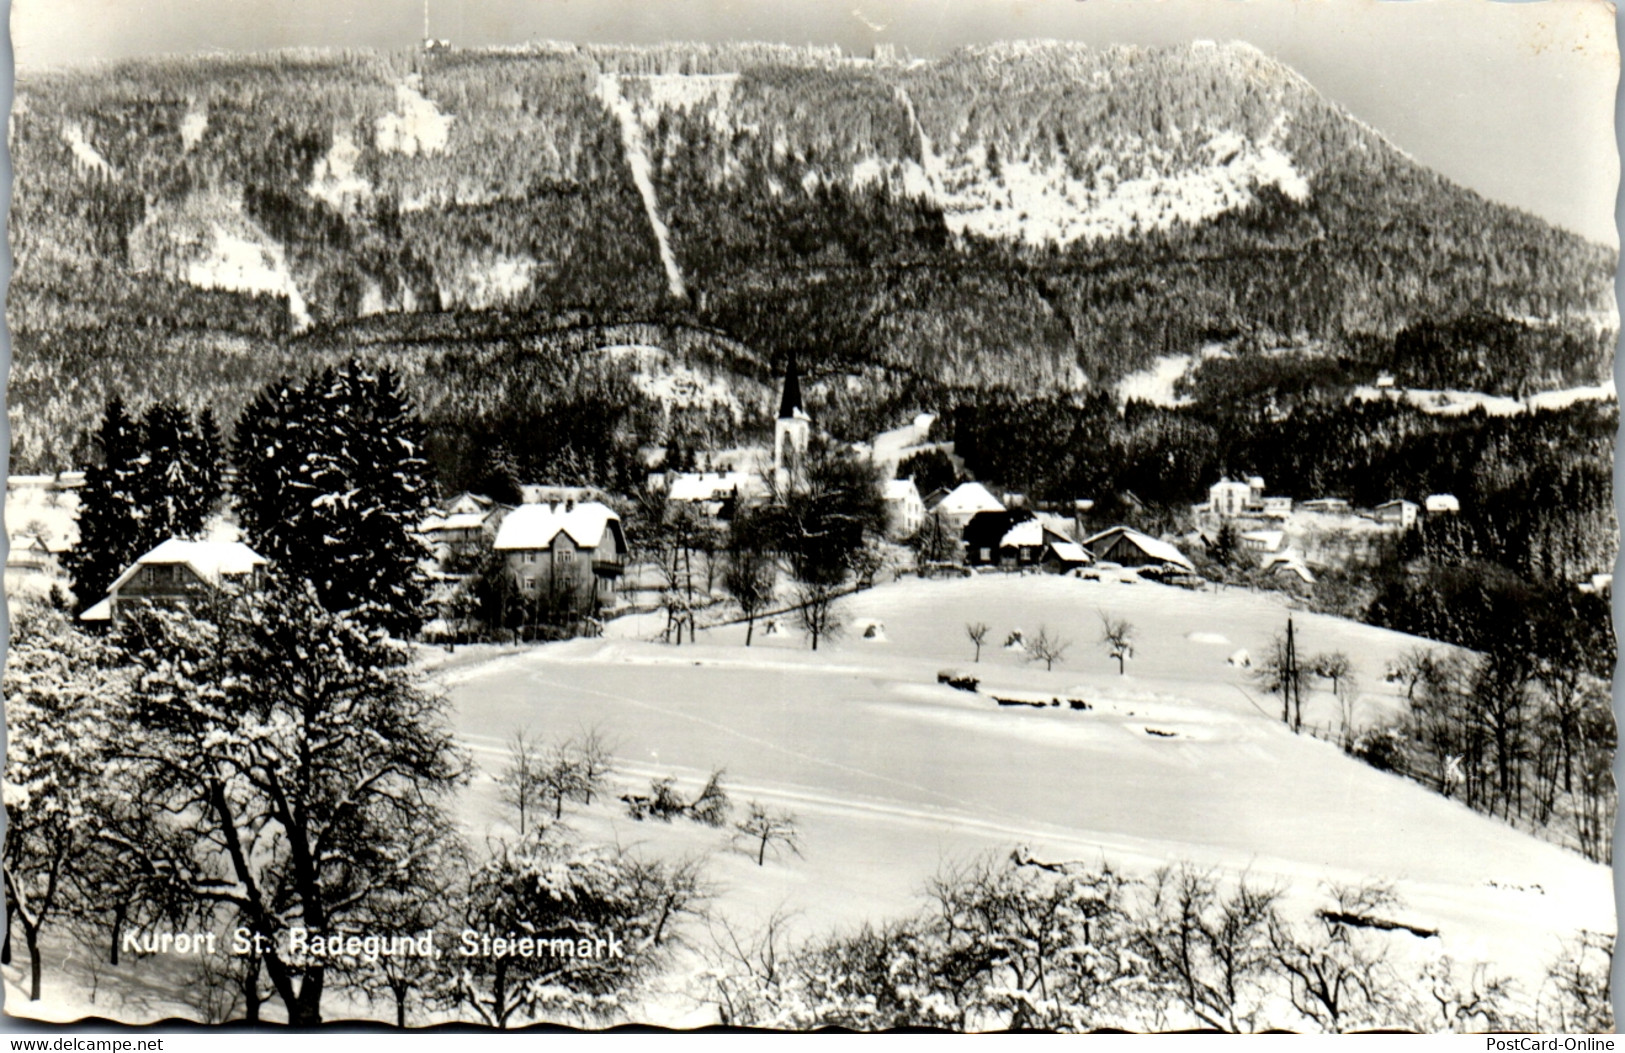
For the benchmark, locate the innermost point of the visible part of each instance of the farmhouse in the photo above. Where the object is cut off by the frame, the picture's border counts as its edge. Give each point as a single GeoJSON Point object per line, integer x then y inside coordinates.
{"type": "Point", "coordinates": [569, 554]}
{"type": "Point", "coordinates": [1128, 547]}
{"type": "Point", "coordinates": [1018, 539]}
{"type": "Point", "coordinates": [178, 572]}
{"type": "Point", "coordinates": [905, 511]}
{"type": "Point", "coordinates": [1437, 504]}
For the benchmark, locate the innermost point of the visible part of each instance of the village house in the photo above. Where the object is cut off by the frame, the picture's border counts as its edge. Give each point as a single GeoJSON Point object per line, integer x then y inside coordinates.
{"type": "Point", "coordinates": [1288, 565]}
{"type": "Point", "coordinates": [1334, 506]}
{"type": "Point", "coordinates": [1437, 504]}
{"type": "Point", "coordinates": [31, 566]}
{"type": "Point", "coordinates": [716, 495]}
{"type": "Point", "coordinates": [1128, 547]}
{"type": "Point", "coordinates": [957, 507]}
{"type": "Point", "coordinates": [1017, 540]}
{"type": "Point", "coordinates": [570, 555]}
{"type": "Point", "coordinates": [1398, 512]}
{"type": "Point", "coordinates": [463, 531]}
{"type": "Point", "coordinates": [905, 510]}
{"type": "Point", "coordinates": [1229, 498]}
{"type": "Point", "coordinates": [179, 572]}
{"type": "Point", "coordinates": [1262, 540]}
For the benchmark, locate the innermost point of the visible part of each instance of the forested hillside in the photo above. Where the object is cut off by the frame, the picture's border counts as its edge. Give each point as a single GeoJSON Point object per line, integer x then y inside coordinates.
{"type": "Point", "coordinates": [1036, 218]}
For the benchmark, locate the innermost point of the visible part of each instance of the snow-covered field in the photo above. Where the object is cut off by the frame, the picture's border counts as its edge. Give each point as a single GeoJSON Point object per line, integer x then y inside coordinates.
{"type": "Point", "coordinates": [892, 776]}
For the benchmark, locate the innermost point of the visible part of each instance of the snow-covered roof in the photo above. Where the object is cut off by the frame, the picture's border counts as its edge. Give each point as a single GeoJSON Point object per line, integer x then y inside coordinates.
{"type": "Point", "coordinates": [968, 499]}
{"type": "Point", "coordinates": [1270, 539]}
{"type": "Point", "coordinates": [1398, 502]}
{"type": "Point", "coordinates": [1291, 562]}
{"type": "Point", "coordinates": [455, 521]}
{"type": "Point", "coordinates": [709, 486]}
{"type": "Point", "coordinates": [535, 526]}
{"type": "Point", "coordinates": [468, 502]}
{"type": "Point", "coordinates": [900, 489]}
{"type": "Point", "coordinates": [1028, 533]}
{"type": "Point", "coordinates": [1069, 552]}
{"type": "Point", "coordinates": [1153, 547]}
{"type": "Point", "coordinates": [209, 560]}
{"type": "Point", "coordinates": [1442, 503]}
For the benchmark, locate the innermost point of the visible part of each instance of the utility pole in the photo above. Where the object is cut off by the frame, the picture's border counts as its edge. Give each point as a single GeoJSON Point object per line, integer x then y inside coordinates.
{"type": "Point", "coordinates": [1292, 692]}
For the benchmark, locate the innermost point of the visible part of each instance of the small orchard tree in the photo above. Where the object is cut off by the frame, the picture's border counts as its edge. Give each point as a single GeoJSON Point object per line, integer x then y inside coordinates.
{"type": "Point", "coordinates": [1338, 973]}
{"type": "Point", "coordinates": [977, 632]}
{"type": "Point", "coordinates": [763, 829]}
{"type": "Point", "coordinates": [750, 573]}
{"type": "Point", "coordinates": [519, 784]}
{"type": "Point", "coordinates": [561, 777]}
{"type": "Point", "coordinates": [595, 762]}
{"type": "Point", "coordinates": [1117, 636]}
{"type": "Point", "coordinates": [1336, 667]}
{"type": "Point", "coordinates": [816, 612]}
{"type": "Point", "coordinates": [1047, 648]}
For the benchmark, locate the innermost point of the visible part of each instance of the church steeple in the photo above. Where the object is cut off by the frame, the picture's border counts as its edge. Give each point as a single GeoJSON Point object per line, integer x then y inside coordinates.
{"type": "Point", "coordinates": [791, 431]}
{"type": "Point", "coordinates": [790, 407]}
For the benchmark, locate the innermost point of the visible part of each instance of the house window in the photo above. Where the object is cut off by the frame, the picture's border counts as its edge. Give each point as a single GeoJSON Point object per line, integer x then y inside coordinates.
{"type": "Point", "coordinates": [529, 582]}
{"type": "Point", "coordinates": [528, 557]}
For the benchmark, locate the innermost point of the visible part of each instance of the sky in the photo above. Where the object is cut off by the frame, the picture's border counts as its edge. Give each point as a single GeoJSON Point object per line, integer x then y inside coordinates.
{"type": "Point", "coordinates": [1515, 100]}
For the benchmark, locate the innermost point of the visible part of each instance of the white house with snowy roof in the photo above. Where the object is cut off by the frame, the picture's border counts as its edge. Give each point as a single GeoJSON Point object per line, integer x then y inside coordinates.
{"type": "Point", "coordinates": [571, 553]}
{"type": "Point", "coordinates": [961, 504]}
{"type": "Point", "coordinates": [905, 509]}
{"type": "Point", "coordinates": [177, 572]}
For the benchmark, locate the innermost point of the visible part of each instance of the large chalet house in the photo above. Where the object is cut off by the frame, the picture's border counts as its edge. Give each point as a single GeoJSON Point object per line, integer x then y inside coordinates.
{"type": "Point", "coordinates": [177, 573]}
{"type": "Point", "coordinates": [570, 554]}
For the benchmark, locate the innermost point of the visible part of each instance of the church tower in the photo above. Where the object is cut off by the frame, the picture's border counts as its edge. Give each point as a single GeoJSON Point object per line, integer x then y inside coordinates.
{"type": "Point", "coordinates": [791, 431]}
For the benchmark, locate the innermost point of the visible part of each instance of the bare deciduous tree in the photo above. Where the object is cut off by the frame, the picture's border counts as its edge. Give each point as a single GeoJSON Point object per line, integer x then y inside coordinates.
{"type": "Point", "coordinates": [977, 631]}
{"type": "Point", "coordinates": [1047, 648]}
{"type": "Point", "coordinates": [816, 613]}
{"type": "Point", "coordinates": [519, 783]}
{"type": "Point", "coordinates": [1117, 635]}
{"type": "Point", "coordinates": [765, 829]}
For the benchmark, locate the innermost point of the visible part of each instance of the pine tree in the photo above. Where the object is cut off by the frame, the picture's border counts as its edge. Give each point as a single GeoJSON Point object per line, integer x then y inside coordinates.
{"type": "Point", "coordinates": [331, 487]}
{"type": "Point", "coordinates": [158, 478]}
{"type": "Point", "coordinates": [178, 481]}
{"type": "Point", "coordinates": [111, 519]}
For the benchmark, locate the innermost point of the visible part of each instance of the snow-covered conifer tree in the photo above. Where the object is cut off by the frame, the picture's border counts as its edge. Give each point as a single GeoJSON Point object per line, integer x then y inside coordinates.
{"type": "Point", "coordinates": [330, 489]}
